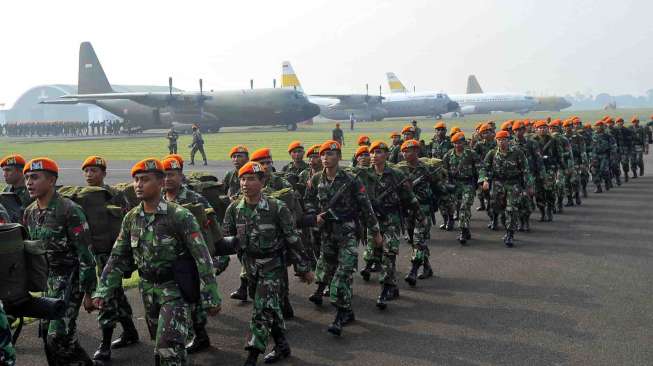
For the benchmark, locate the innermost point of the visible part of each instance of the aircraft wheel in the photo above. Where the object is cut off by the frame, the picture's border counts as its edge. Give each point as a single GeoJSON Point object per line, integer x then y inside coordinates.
{"type": "Point", "coordinates": [291, 127]}
{"type": "Point", "coordinates": [438, 116]}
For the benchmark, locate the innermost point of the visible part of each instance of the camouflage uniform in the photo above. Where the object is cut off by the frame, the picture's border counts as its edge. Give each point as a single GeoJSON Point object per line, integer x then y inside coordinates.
{"type": "Point", "coordinates": [439, 146]}
{"type": "Point", "coordinates": [338, 135]}
{"type": "Point", "coordinates": [23, 197]}
{"type": "Point", "coordinates": [151, 243]}
{"type": "Point", "coordinates": [7, 351]}
{"type": "Point", "coordinates": [63, 228]}
{"type": "Point", "coordinates": [292, 172]}
{"type": "Point", "coordinates": [172, 137]}
{"type": "Point", "coordinates": [586, 133]}
{"type": "Point", "coordinates": [640, 145]}
{"type": "Point", "coordinates": [579, 159]}
{"type": "Point", "coordinates": [394, 153]}
{"type": "Point", "coordinates": [197, 145]}
{"type": "Point", "coordinates": [615, 156]}
{"type": "Point", "coordinates": [481, 148]}
{"type": "Point", "coordinates": [601, 149]}
{"type": "Point", "coordinates": [552, 157]}
{"type": "Point", "coordinates": [536, 166]}
{"type": "Point", "coordinates": [338, 254]}
{"type": "Point", "coordinates": [462, 172]}
{"type": "Point", "coordinates": [627, 149]}
{"type": "Point", "coordinates": [267, 236]}
{"type": "Point", "coordinates": [510, 176]}
{"type": "Point", "coordinates": [565, 173]}
{"type": "Point", "coordinates": [231, 183]}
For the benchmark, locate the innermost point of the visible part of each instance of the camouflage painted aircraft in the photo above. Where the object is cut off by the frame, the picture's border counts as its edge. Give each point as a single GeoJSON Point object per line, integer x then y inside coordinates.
{"type": "Point", "coordinates": [211, 110]}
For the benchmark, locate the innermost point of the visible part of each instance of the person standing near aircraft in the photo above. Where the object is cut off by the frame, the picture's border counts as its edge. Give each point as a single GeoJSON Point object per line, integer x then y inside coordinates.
{"type": "Point", "coordinates": [197, 145]}
{"type": "Point", "coordinates": [338, 135]}
{"type": "Point", "coordinates": [352, 120]}
{"type": "Point", "coordinates": [172, 137]}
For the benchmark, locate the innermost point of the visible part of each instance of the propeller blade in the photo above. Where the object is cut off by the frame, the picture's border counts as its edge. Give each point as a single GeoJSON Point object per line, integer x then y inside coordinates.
{"type": "Point", "coordinates": [251, 83]}
{"type": "Point", "coordinates": [274, 83]}
{"type": "Point", "coordinates": [200, 87]}
{"type": "Point", "coordinates": [170, 85]}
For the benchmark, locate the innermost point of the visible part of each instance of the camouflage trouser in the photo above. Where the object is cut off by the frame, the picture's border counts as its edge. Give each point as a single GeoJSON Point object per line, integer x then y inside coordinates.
{"type": "Point", "coordinates": [560, 183]}
{"type": "Point", "coordinates": [267, 317]}
{"type": "Point", "coordinates": [116, 308]}
{"type": "Point", "coordinates": [584, 173]}
{"type": "Point", "coordinates": [600, 169]}
{"type": "Point", "coordinates": [7, 351]}
{"type": "Point", "coordinates": [220, 264]}
{"type": "Point", "coordinates": [168, 320]}
{"type": "Point", "coordinates": [505, 197]}
{"type": "Point", "coordinates": [637, 159]}
{"type": "Point", "coordinates": [372, 254]}
{"type": "Point", "coordinates": [625, 161]}
{"type": "Point", "coordinates": [571, 182]}
{"type": "Point", "coordinates": [421, 235]}
{"type": "Point", "coordinates": [194, 150]}
{"type": "Point", "coordinates": [312, 245]}
{"type": "Point", "coordinates": [338, 261]}
{"type": "Point", "coordinates": [484, 196]}
{"type": "Point", "coordinates": [615, 160]}
{"type": "Point", "coordinates": [448, 204]}
{"type": "Point", "coordinates": [544, 189]}
{"type": "Point", "coordinates": [391, 230]}
{"type": "Point", "coordinates": [172, 148]}
{"type": "Point", "coordinates": [463, 201]}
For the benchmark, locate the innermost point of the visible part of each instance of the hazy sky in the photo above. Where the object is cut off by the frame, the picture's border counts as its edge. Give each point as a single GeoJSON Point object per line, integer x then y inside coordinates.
{"type": "Point", "coordinates": [335, 46]}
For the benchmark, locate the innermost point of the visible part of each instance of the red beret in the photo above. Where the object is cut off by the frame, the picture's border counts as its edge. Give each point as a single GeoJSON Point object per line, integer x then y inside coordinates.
{"type": "Point", "coordinates": [329, 145]}
{"type": "Point", "coordinates": [12, 160]}
{"type": "Point", "coordinates": [260, 154]}
{"type": "Point", "coordinates": [95, 161]}
{"type": "Point", "coordinates": [251, 167]}
{"type": "Point", "coordinates": [42, 164]}
{"type": "Point", "coordinates": [238, 149]}
{"type": "Point", "coordinates": [149, 165]}
{"type": "Point", "coordinates": [408, 144]}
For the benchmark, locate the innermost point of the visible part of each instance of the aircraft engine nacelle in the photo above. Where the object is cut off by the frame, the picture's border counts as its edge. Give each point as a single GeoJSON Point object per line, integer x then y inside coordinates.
{"type": "Point", "coordinates": [468, 109]}
{"type": "Point", "coordinates": [162, 118]}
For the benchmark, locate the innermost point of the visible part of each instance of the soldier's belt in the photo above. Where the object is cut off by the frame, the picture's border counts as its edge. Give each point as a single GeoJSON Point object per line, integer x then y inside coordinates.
{"type": "Point", "coordinates": [157, 277]}
{"type": "Point", "coordinates": [263, 255]}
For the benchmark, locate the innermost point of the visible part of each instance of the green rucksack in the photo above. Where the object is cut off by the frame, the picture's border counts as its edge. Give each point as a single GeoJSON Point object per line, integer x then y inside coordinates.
{"type": "Point", "coordinates": [210, 228]}
{"type": "Point", "coordinates": [213, 192]}
{"type": "Point", "coordinates": [11, 203]}
{"type": "Point", "coordinates": [290, 198]}
{"type": "Point", "coordinates": [104, 220]}
{"type": "Point", "coordinates": [127, 189]}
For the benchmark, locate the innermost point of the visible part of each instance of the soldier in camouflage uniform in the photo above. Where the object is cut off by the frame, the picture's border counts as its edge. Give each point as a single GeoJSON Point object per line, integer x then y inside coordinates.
{"type": "Point", "coordinates": [424, 181]}
{"type": "Point", "coordinates": [579, 159]}
{"type": "Point", "coordinates": [197, 145]}
{"type": "Point", "coordinates": [600, 158]}
{"type": "Point", "coordinates": [61, 225]}
{"type": "Point", "coordinates": [585, 130]}
{"type": "Point", "coordinates": [297, 165]}
{"type": "Point", "coordinates": [552, 157]}
{"type": "Point", "coordinates": [536, 166]}
{"type": "Point", "coordinates": [640, 146]}
{"type": "Point", "coordinates": [441, 143]}
{"type": "Point", "coordinates": [311, 234]}
{"type": "Point", "coordinates": [615, 155]}
{"type": "Point", "coordinates": [338, 135]}
{"type": "Point", "coordinates": [155, 237]}
{"type": "Point", "coordinates": [174, 191]}
{"type": "Point", "coordinates": [172, 137]}
{"type": "Point", "coordinates": [239, 156]}
{"type": "Point", "coordinates": [626, 146]}
{"type": "Point", "coordinates": [334, 199]}
{"type": "Point", "coordinates": [508, 168]}
{"type": "Point", "coordinates": [12, 169]}
{"type": "Point", "coordinates": [481, 148]}
{"type": "Point", "coordinates": [117, 308]}
{"type": "Point", "coordinates": [461, 164]}
{"type": "Point", "coordinates": [565, 172]}
{"type": "Point", "coordinates": [363, 141]}
{"type": "Point", "coordinates": [395, 148]}
{"type": "Point", "coordinates": [267, 240]}
{"type": "Point", "coordinates": [7, 351]}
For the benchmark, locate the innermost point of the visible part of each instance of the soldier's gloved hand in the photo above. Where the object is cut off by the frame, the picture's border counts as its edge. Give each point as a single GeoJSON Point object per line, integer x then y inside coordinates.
{"type": "Point", "coordinates": [307, 277]}
{"type": "Point", "coordinates": [486, 186]}
{"type": "Point", "coordinates": [98, 303]}
{"type": "Point", "coordinates": [214, 310]}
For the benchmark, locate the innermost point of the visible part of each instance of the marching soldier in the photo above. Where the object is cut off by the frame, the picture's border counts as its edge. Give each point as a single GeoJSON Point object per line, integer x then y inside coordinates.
{"type": "Point", "coordinates": [441, 143]}
{"type": "Point", "coordinates": [531, 150]}
{"type": "Point", "coordinates": [297, 165]}
{"type": "Point", "coordinates": [552, 157]}
{"type": "Point", "coordinates": [12, 170]}
{"type": "Point", "coordinates": [338, 135]}
{"type": "Point", "coordinates": [61, 225]}
{"type": "Point", "coordinates": [197, 145]}
{"type": "Point", "coordinates": [640, 146]}
{"type": "Point", "coordinates": [265, 230]}
{"type": "Point", "coordinates": [239, 156]}
{"type": "Point", "coordinates": [395, 148]}
{"type": "Point", "coordinates": [601, 150]}
{"type": "Point", "coordinates": [482, 147]}
{"type": "Point", "coordinates": [626, 147]}
{"type": "Point", "coordinates": [172, 137]}
{"type": "Point", "coordinates": [363, 141]}
{"type": "Point", "coordinates": [163, 241]}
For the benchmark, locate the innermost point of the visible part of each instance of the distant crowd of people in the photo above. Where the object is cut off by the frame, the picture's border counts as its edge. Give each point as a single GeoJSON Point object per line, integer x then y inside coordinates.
{"type": "Point", "coordinates": [64, 128]}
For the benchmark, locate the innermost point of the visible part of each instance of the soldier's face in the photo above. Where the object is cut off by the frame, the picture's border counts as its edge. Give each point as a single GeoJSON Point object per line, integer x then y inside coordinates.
{"type": "Point", "coordinates": [396, 139]}
{"type": "Point", "coordinates": [148, 185]}
{"type": "Point", "coordinates": [503, 144]}
{"type": "Point", "coordinates": [411, 154]}
{"type": "Point", "coordinates": [441, 132]}
{"type": "Point", "coordinates": [39, 183]}
{"type": "Point", "coordinates": [94, 176]}
{"type": "Point", "coordinates": [173, 179]}
{"type": "Point", "coordinates": [239, 159]}
{"type": "Point", "coordinates": [520, 132]}
{"type": "Point", "coordinates": [379, 156]}
{"type": "Point", "coordinates": [297, 154]}
{"type": "Point", "coordinates": [12, 175]}
{"type": "Point", "coordinates": [314, 160]}
{"type": "Point", "coordinates": [363, 159]}
{"type": "Point", "coordinates": [542, 131]}
{"type": "Point", "coordinates": [330, 159]}
{"type": "Point", "coordinates": [408, 136]}
{"type": "Point", "coordinates": [459, 145]}
{"type": "Point", "coordinates": [486, 135]}
{"type": "Point", "coordinates": [267, 165]}
{"type": "Point", "coordinates": [251, 185]}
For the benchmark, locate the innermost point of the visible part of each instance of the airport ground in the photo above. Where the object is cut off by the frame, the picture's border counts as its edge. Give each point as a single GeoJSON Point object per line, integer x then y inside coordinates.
{"type": "Point", "coordinates": [573, 292]}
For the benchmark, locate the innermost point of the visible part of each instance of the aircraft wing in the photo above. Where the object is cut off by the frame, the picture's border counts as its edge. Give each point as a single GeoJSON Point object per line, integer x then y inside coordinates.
{"type": "Point", "coordinates": [352, 98]}
{"type": "Point", "coordinates": [152, 99]}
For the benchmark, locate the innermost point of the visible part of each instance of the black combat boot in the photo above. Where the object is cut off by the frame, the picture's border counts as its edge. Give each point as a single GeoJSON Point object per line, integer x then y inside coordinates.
{"type": "Point", "coordinates": [608, 184]}
{"type": "Point", "coordinates": [461, 237]}
{"type": "Point", "coordinates": [527, 224]}
{"type": "Point", "coordinates": [585, 190]}
{"type": "Point", "coordinates": [482, 206]}
{"type": "Point", "coordinates": [316, 298]}
{"type": "Point", "coordinates": [241, 292]}
{"type": "Point", "coordinates": [365, 272]}
{"type": "Point", "coordinates": [281, 348]}
{"type": "Point", "coordinates": [286, 308]}
{"type": "Point", "coordinates": [445, 220]}
{"type": "Point", "coordinates": [129, 335]}
{"type": "Point", "coordinates": [598, 188]}
{"type": "Point", "coordinates": [427, 271]}
{"type": "Point", "coordinates": [570, 201]}
{"type": "Point", "coordinates": [383, 297]}
{"type": "Point", "coordinates": [578, 200]}
{"type": "Point", "coordinates": [252, 357]}
{"type": "Point", "coordinates": [493, 222]}
{"type": "Point", "coordinates": [618, 179]}
{"type": "Point", "coordinates": [625, 176]}
{"type": "Point", "coordinates": [635, 172]}
{"type": "Point", "coordinates": [103, 352]}
{"type": "Point", "coordinates": [200, 342]}
{"type": "Point", "coordinates": [542, 214]}
{"type": "Point", "coordinates": [450, 223]}
{"type": "Point", "coordinates": [549, 213]}
{"type": "Point", "coordinates": [336, 327]}
{"type": "Point", "coordinates": [393, 294]}
{"type": "Point", "coordinates": [411, 277]}
{"type": "Point", "coordinates": [641, 171]}
{"type": "Point", "coordinates": [507, 239]}
{"type": "Point", "coordinates": [376, 267]}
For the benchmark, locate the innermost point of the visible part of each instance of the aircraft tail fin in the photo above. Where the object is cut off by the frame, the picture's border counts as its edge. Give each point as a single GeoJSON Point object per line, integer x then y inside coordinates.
{"type": "Point", "coordinates": [473, 87]}
{"type": "Point", "coordinates": [396, 86]}
{"type": "Point", "coordinates": [289, 78]}
{"type": "Point", "coordinates": [91, 77]}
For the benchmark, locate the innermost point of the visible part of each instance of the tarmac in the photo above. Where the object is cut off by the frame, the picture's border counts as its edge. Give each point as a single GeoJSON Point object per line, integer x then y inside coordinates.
{"type": "Point", "coordinates": [576, 291]}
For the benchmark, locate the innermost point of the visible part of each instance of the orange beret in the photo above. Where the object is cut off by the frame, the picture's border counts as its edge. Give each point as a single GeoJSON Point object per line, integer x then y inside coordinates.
{"type": "Point", "coordinates": [460, 136]}
{"type": "Point", "coordinates": [408, 144]}
{"type": "Point", "coordinates": [527, 122]}
{"type": "Point", "coordinates": [408, 129]}
{"type": "Point", "coordinates": [260, 154]}
{"type": "Point", "coordinates": [363, 140]}
{"type": "Point", "coordinates": [478, 125]}
{"type": "Point", "coordinates": [361, 150]}
{"type": "Point", "coordinates": [42, 164]}
{"type": "Point", "coordinates": [394, 134]}
{"type": "Point", "coordinates": [454, 131]}
{"type": "Point", "coordinates": [484, 127]}
{"type": "Point", "coordinates": [503, 134]}
{"type": "Point", "coordinates": [609, 121]}
{"type": "Point", "coordinates": [294, 145]}
{"type": "Point", "coordinates": [177, 157]}
{"type": "Point", "coordinates": [599, 123]}
{"type": "Point", "coordinates": [329, 145]}
{"type": "Point", "coordinates": [440, 125]}
{"type": "Point", "coordinates": [149, 165]}
{"type": "Point", "coordinates": [575, 120]}
{"type": "Point", "coordinates": [378, 145]}
{"type": "Point", "coordinates": [238, 149]}
{"type": "Point", "coordinates": [620, 119]}
{"type": "Point", "coordinates": [517, 125]}
{"type": "Point", "coordinates": [251, 167]}
{"type": "Point", "coordinates": [507, 125]}
{"type": "Point", "coordinates": [540, 123]}
{"type": "Point", "coordinates": [606, 117]}
{"type": "Point", "coordinates": [313, 150]}
{"type": "Point", "coordinates": [636, 119]}
{"type": "Point", "coordinates": [12, 160]}
{"type": "Point", "coordinates": [95, 161]}
{"type": "Point", "coordinates": [171, 164]}
{"type": "Point", "coordinates": [555, 123]}
{"type": "Point", "coordinates": [587, 125]}
{"type": "Point", "coordinates": [567, 123]}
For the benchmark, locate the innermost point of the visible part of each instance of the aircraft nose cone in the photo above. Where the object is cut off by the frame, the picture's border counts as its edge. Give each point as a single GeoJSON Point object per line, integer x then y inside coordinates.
{"type": "Point", "coordinates": [453, 106]}
{"type": "Point", "coordinates": [311, 110]}
{"type": "Point", "coordinates": [565, 103]}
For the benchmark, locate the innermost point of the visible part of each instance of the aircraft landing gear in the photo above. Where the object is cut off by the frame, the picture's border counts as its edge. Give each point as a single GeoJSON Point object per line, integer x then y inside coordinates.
{"type": "Point", "coordinates": [291, 127]}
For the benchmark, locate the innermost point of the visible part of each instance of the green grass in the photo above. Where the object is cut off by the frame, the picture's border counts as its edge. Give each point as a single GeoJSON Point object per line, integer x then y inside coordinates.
{"type": "Point", "coordinates": [217, 145]}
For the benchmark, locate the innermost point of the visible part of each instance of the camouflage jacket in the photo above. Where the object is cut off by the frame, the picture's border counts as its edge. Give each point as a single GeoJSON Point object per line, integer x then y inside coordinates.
{"type": "Point", "coordinates": [352, 204]}
{"type": "Point", "coordinates": [439, 147]}
{"type": "Point", "coordinates": [337, 135]}
{"type": "Point", "coordinates": [531, 150]}
{"type": "Point", "coordinates": [639, 135]}
{"type": "Point", "coordinates": [462, 168]}
{"type": "Point", "coordinates": [394, 187]}
{"type": "Point", "coordinates": [266, 235]}
{"type": "Point", "coordinates": [424, 190]}
{"type": "Point", "coordinates": [395, 153]}
{"type": "Point", "coordinates": [601, 145]}
{"type": "Point", "coordinates": [304, 177]}
{"type": "Point", "coordinates": [277, 182]}
{"type": "Point", "coordinates": [578, 148]}
{"type": "Point", "coordinates": [197, 139]}
{"type": "Point", "coordinates": [231, 183]}
{"type": "Point", "coordinates": [63, 227]}
{"type": "Point", "coordinates": [22, 193]}
{"type": "Point", "coordinates": [567, 154]}
{"type": "Point", "coordinates": [172, 137]}
{"type": "Point", "coordinates": [152, 242]}
{"type": "Point", "coordinates": [509, 166]}
{"type": "Point", "coordinates": [552, 153]}
{"type": "Point", "coordinates": [483, 147]}
{"type": "Point", "coordinates": [292, 169]}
